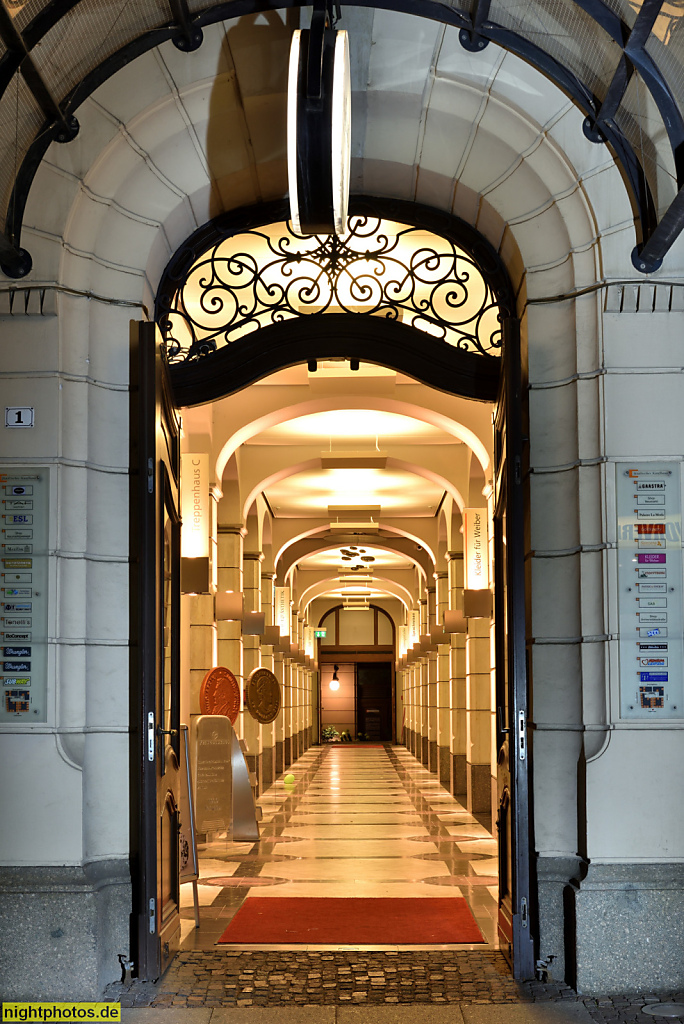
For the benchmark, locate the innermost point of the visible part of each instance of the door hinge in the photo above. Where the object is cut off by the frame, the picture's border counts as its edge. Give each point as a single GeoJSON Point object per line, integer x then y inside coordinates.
{"type": "Point", "coordinates": [150, 476]}
{"type": "Point", "coordinates": [150, 736]}
{"type": "Point", "coordinates": [523, 912]}
{"type": "Point", "coordinates": [522, 736]}
{"type": "Point", "coordinates": [152, 923]}
{"type": "Point", "coordinates": [517, 469]}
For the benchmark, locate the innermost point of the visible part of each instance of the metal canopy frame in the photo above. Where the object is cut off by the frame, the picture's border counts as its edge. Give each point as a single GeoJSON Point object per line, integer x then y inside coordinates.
{"type": "Point", "coordinates": [655, 235]}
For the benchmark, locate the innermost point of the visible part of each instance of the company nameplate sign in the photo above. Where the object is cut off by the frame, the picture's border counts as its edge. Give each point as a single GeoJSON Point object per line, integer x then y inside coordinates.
{"type": "Point", "coordinates": [649, 515]}
{"type": "Point", "coordinates": [24, 501]}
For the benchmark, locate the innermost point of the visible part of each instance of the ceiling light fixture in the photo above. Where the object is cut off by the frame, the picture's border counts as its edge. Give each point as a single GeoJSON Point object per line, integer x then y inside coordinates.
{"type": "Point", "coordinates": [319, 126]}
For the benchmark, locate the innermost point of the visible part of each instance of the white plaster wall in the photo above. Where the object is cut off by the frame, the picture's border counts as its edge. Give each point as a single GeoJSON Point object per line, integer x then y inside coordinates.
{"type": "Point", "coordinates": [78, 760]}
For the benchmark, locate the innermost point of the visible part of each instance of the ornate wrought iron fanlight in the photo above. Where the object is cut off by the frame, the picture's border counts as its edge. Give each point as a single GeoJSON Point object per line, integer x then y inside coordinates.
{"type": "Point", "coordinates": [263, 276]}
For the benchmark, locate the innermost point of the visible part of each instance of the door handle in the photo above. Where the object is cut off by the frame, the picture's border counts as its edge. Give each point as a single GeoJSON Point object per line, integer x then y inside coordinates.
{"type": "Point", "coordinates": [166, 732]}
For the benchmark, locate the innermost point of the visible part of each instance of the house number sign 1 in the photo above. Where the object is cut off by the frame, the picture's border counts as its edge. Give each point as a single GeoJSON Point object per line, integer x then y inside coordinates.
{"type": "Point", "coordinates": [649, 542]}
{"type": "Point", "coordinates": [19, 416]}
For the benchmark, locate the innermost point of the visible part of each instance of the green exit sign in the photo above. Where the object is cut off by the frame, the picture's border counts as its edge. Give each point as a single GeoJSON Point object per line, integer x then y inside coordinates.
{"type": "Point", "coordinates": [320, 633]}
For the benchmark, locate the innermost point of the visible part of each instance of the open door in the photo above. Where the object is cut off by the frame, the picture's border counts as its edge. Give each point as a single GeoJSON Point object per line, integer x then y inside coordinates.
{"type": "Point", "coordinates": [513, 754]}
{"type": "Point", "coordinates": [155, 648]}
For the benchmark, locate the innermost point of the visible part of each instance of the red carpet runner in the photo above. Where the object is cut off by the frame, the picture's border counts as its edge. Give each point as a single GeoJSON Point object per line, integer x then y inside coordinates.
{"type": "Point", "coordinates": [353, 921]}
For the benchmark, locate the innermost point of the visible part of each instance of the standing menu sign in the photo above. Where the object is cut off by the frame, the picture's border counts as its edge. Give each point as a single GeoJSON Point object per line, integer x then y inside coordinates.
{"type": "Point", "coordinates": [649, 511]}
{"type": "Point", "coordinates": [24, 593]}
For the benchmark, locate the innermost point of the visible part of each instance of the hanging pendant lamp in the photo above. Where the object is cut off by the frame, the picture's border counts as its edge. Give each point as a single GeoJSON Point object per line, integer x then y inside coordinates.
{"type": "Point", "coordinates": [319, 127]}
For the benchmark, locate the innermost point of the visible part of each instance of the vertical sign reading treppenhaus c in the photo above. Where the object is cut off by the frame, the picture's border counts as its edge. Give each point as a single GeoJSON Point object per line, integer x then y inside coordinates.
{"type": "Point", "coordinates": [195, 505]}
{"type": "Point", "coordinates": [649, 543]}
{"type": "Point", "coordinates": [24, 594]}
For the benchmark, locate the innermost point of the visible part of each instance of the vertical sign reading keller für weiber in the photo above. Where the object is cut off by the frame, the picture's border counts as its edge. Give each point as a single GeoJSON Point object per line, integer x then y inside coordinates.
{"type": "Point", "coordinates": [24, 592]}
{"type": "Point", "coordinates": [649, 538]}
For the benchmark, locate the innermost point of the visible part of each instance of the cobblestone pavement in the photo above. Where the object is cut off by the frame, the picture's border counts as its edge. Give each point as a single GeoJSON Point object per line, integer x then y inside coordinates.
{"type": "Point", "coordinates": [290, 978]}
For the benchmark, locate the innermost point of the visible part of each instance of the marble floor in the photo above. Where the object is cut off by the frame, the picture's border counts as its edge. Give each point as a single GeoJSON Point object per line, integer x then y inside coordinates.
{"type": "Point", "coordinates": [358, 821]}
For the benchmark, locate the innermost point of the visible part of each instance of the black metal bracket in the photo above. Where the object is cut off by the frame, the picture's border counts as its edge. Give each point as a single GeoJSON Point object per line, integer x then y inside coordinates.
{"type": "Point", "coordinates": [190, 36]}
{"type": "Point", "coordinates": [471, 39]}
{"type": "Point", "coordinates": [14, 262]}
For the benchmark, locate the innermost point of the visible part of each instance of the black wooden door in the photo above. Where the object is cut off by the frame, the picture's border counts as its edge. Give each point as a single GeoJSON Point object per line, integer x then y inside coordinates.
{"type": "Point", "coordinates": [513, 752]}
{"type": "Point", "coordinates": [155, 648]}
{"type": "Point", "coordinates": [374, 700]}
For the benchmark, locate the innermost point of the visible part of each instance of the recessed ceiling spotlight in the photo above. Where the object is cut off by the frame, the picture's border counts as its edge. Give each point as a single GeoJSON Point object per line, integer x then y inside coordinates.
{"type": "Point", "coordinates": [367, 558]}
{"type": "Point", "coordinates": [346, 558]}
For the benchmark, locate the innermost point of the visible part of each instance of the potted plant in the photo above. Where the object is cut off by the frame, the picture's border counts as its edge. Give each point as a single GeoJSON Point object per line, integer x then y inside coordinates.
{"type": "Point", "coordinates": [329, 734]}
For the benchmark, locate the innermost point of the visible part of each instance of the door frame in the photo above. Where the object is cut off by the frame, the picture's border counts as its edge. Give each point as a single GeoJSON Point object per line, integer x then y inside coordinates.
{"type": "Point", "coordinates": [154, 486]}
{"type": "Point", "coordinates": [517, 903]}
{"type": "Point", "coordinates": [383, 342]}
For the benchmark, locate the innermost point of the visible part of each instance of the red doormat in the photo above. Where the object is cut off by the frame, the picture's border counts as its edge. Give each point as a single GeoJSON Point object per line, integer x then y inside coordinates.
{"type": "Point", "coordinates": [353, 921]}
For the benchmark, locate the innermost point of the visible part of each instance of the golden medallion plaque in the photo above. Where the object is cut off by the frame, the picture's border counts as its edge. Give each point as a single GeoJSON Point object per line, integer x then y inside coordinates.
{"type": "Point", "coordinates": [220, 694]}
{"type": "Point", "coordinates": [262, 695]}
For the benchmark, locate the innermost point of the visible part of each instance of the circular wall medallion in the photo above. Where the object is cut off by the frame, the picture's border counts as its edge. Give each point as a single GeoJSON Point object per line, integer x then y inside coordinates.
{"type": "Point", "coordinates": [262, 695]}
{"type": "Point", "coordinates": [220, 694]}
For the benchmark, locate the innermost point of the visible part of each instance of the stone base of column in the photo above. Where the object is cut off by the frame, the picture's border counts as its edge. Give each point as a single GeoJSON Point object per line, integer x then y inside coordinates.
{"type": "Point", "coordinates": [267, 767]}
{"type": "Point", "coordinates": [459, 780]}
{"type": "Point", "coordinates": [67, 926]}
{"type": "Point", "coordinates": [478, 787]}
{"type": "Point", "coordinates": [424, 750]}
{"type": "Point", "coordinates": [445, 767]}
{"type": "Point", "coordinates": [631, 911]}
{"type": "Point", "coordinates": [287, 752]}
{"type": "Point", "coordinates": [433, 757]}
{"type": "Point", "coordinates": [554, 877]}
{"type": "Point", "coordinates": [279, 763]}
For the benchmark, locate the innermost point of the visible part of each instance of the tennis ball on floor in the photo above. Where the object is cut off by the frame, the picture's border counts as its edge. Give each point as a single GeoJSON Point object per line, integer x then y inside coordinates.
{"type": "Point", "coordinates": [289, 780]}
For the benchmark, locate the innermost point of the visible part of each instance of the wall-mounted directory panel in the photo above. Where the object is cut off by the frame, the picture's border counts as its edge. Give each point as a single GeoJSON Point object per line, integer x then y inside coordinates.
{"type": "Point", "coordinates": [649, 542]}
{"type": "Point", "coordinates": [24, 594]}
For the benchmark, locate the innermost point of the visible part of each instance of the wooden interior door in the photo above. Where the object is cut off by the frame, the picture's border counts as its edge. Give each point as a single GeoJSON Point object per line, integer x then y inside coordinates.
{"type": "Point", "coordinates": [155, 654]}
{"type": "Point", "coordinates": [513, 752]}
{"type": "Point", "coordinates": [374, 700]}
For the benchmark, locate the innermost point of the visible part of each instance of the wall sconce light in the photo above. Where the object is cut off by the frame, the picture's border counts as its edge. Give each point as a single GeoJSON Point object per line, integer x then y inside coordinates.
{"type": "Point", "coordinates": [334, 682]}
{"type": "Point", "coordinates": [319, 126]}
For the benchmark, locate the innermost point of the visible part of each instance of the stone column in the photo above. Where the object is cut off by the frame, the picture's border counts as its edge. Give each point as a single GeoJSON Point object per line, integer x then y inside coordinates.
{"type": "Point", "coordinates": [287, 713]}
{"type": "Point", "coordinates": [424, 711]}
{"type": "Point", "coordinates": [457, 682]}
{"type": "Point", "coordinates": [443, 716]}
{"type": "Point", "coordinates": [202, 643]}
{"type": "Point", "coordinates": [478, 715]}
{"type": "Point", "coordinates": [251, 656]}
{"type": "Point", "coordinates": [424, 615]}
{"type": "Point", "coordinates": [268, 732]}
{"type": "Point", "coordinates": [229, 632]}
{"type": "Point", "coordinates": [417, 711]}
{"type": "Point", "coordinates": [457, 679]}
{"type": "Point", "coordinates": [279, 724]}
{"type": "Point", "coordinates": [431, 608]}
{"type": "Point", "coordinates": [442, 595]}
{"type": "Point", "coordinates": [432, 702]}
